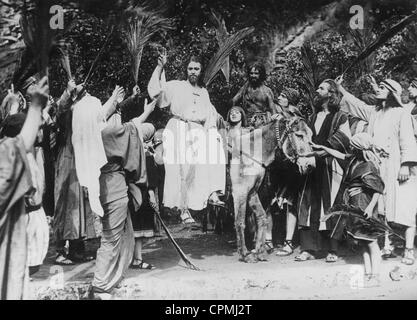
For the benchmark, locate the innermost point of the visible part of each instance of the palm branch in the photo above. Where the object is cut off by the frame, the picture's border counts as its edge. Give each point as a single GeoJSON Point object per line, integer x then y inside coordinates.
{"type": "Point", "coordinates": [310, 72]}
{"type": "Point", "coordinates": [142, 25]}
{"type": "Point", "coordinates": [65, 62]}
{"type": "Point", "coordinates": [221, 36]}
{"type": "Point", "coordinates": [217, 61]}
{"type": "Point", "coordinates": [380, 226]}
{"type": "Point", "coordinates": [382, 39]}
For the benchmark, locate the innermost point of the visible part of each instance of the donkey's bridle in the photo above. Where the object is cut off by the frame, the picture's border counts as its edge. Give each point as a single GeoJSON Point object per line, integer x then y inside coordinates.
{"type": "Point", "coordinates": [283, 136]}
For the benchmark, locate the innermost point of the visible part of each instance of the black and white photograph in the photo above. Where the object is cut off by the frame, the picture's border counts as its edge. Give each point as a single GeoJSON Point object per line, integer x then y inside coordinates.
{"type": "Point", "coordinates": [219, 152]}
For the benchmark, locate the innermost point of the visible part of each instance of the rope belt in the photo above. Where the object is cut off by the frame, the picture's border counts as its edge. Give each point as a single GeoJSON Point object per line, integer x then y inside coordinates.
{"type": "Point", "coordinates": [186, 120]}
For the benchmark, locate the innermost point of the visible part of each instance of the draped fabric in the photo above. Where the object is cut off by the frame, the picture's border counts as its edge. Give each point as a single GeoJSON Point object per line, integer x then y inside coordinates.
{"type": "Point", "coordinates": [194, 156]}
{"type": "Point", "coordinates": [15, 183]}
{"type": "Point", "coordinates": [391, 129]}
{"type": "Point", "coordinates": [320, 187]}
{"type": "Point", "coordinates": [364, 175]}
{"type": "Point", "coordinates": [73, 217]}
{"type": "Point", "coordinates": [124, 172]}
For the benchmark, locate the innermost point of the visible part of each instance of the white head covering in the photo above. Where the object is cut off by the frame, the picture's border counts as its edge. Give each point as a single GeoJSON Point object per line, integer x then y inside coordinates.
{"type": "Point", "coordinates": [87, 122]}
{"type": "Point", "coordinates": [394, 87]}
{"type": "Point", "coordinates": [371, 152]}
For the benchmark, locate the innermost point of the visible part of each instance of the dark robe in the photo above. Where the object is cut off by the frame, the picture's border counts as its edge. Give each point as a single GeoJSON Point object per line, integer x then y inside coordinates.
{"type": "Point", "coordinates": [15, 183]}
{"type": "Point", "coordinates": [361, 174]}
{"type": "Point", "coordinates": [316, 188]}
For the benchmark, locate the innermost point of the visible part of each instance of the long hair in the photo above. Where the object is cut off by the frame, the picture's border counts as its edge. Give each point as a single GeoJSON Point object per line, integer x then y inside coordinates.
{"type": "Point", "coordinates": [197, 59]}
{"type": "Point", "coordinates": [258, 66]}
{"type": "Point", "coordinates": [391, 102]}
{"type": "Point", "coordinates": [243, 114]}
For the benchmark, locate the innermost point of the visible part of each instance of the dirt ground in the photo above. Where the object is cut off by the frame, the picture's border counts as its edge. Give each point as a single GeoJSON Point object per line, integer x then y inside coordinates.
{"type": "Point", "coordinates": [222, 276]}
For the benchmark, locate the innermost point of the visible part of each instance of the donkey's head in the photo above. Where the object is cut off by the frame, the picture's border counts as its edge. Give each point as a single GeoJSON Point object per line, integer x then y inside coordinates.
{"type": "Point", "coordinates": [295, 137]}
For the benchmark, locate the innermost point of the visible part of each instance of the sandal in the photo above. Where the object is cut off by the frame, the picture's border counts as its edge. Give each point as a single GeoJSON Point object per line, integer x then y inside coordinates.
{"type": "Point", "coordinates": [331, 257]}
{"type": "Point", "coordinates": [286, 250]}
{"type": "Point", "coordinates": [269, 246]}
{"type": "Point", "coordinates": [304, 256]}
{"type": "Point", "coordinates": [408, 258]}
{"type": "Point", "coordinates": [63, 261]}
{"type": "Point", "coordinates": [186, 217]}
{"type": "Point", "coordinates": [387, 253]}
{"type": "Point", "coordinates": [140, 264]}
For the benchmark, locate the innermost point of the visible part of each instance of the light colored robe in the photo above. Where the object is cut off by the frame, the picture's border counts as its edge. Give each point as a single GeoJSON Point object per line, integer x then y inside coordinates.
{"type": "Point", "coordinates": [194, 157]}
{"type": "Point", "coordinates": [392, 130]}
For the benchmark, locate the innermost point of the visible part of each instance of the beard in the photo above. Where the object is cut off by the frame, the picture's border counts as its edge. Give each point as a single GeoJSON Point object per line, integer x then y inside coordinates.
{"type": "Point", "coordinates": [193, 79]}
{"type": "Point", "coordinates": [254, 82]}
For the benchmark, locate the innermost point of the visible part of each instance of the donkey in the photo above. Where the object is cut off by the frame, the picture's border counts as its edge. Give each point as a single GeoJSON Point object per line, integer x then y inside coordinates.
{"type": "Point", "coordinates": [287, 133]}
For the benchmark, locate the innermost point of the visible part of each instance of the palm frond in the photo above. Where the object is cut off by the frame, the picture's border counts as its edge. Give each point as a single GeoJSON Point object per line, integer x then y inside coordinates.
{"type": "Point", "coordinates": [221, 36]}
{"type": "Point", "coordinates": [382, 39]}
{"type": "Point", "coordinates": [65, 61]}
{"type": "Point", "coordinates": [379, 227]}
{"type": "Point", "coordinates": [142, 25]}
{"type": "Point", "coordinates": [217, 61]}
{"type": "Point", "coordinates": [309, 71]}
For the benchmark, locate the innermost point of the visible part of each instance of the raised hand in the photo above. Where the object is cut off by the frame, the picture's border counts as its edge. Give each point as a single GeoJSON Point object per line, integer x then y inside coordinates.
{"type": "Point", "coordinates": [339, 80]}
{"type": "Point", "coordinates": [136, 91]}
{"type": "Point", "coordinates": [162, 59]}
{"type": "Point", "coordinates": [39, 93]}
{"type": "Point", "coordinates": [71, 85]}
{"type": "Point", "coordinates": [118, 93]}
{"type": "Point", "coordinates": [148, 108]}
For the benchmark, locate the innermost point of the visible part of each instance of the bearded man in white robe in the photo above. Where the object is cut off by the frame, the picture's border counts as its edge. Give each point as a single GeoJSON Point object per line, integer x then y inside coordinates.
{"type": "Point", "coordinates": [194, 157]}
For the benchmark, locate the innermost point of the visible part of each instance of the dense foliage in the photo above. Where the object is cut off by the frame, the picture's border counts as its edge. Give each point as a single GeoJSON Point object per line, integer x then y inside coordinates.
{"type": "Point", "coordinates": [195, 34]}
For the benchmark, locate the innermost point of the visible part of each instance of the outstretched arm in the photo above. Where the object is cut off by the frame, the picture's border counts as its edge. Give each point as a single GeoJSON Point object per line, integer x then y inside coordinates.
{"type": "Point", "coordinates": [352, 105]}
{"type": "Point", "coordinates": [157, 81]}
{"type": "Point", "coordinates": [110, 106]}
{"type": "Point", "coordinates": [39, 97]}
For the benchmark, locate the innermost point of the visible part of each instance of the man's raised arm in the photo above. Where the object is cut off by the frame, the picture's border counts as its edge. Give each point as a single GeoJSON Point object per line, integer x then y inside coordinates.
{"type": "Point", "coordinates": [352, 105]}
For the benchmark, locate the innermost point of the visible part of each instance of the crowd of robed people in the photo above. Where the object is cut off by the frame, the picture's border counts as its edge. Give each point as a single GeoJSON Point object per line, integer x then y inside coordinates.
{"type": "Point", "coordinates": [106, 183]}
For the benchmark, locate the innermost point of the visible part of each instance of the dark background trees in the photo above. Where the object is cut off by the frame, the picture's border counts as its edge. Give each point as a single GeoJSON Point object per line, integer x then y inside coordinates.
{"type": "Point", "coordinates": [281, 27]}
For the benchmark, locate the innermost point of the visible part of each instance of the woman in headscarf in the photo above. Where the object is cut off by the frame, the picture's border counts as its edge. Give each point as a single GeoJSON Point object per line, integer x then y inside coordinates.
{"type": "Point", "coordinates": [361, 189]}
{"type": "Point", "coordinates": [390, 125]}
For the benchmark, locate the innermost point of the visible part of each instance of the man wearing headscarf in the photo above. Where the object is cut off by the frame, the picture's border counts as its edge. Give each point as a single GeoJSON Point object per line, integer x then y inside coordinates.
{"type": "Point", "coordinates": [390, 125]}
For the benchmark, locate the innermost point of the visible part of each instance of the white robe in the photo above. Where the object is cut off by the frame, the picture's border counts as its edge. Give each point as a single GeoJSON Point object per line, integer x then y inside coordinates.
{"type": "Point", "coordinates": [194, 157]}
{"type": "Point", "coordinates": [392, 130]}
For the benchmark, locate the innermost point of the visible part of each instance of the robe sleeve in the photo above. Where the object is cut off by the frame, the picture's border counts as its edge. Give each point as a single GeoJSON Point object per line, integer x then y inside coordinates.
{"type": "Point", "coordinates": [63, 104]}
{"type": "Point", "coordinates": [357, 108]}
{"type": "Point", "coordinates": [340, 139]}
{"type": "Point", "coordinates": [15, 175]}
{"type": "Point", "coordinates": [161, 89]}
{"type": "Point", "coordinates": [408, 145]}
{"type": "Point", "coordinates": [371, 179]}
{"type": "Point", "coordinates": [212, 115]}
